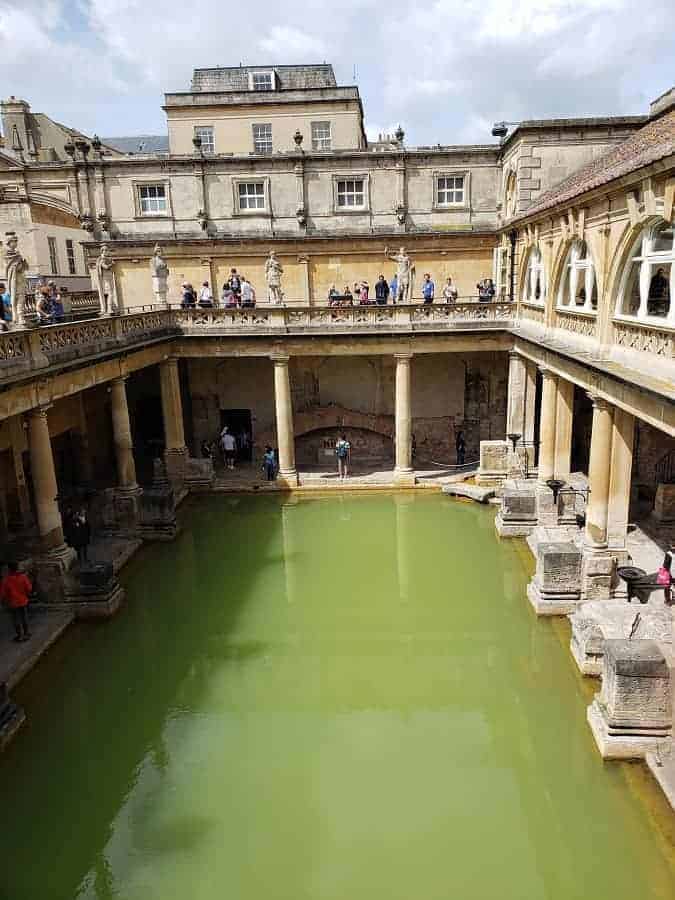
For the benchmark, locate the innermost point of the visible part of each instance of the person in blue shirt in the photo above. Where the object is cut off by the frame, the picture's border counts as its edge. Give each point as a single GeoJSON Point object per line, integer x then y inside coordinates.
{"type": "Point", "coordinates": [6, 306]}
{"type": "Point", "coordinates": [393, 289]}
{"type": "Point", "coordinates": [428, 288]}
{"type": "Point", "coordinates": [269, 464]}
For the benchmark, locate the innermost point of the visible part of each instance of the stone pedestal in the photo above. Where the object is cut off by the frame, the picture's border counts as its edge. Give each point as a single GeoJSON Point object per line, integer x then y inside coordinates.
{"type": "Point", "coordinates": [494, 466]}
{"type": "Point", "coordinates": [94, 592]}
{"type": "Point", "coordinates": [116, 511]}
{"type": "Point", "coordinates": [664, 503]}
{"type": "Point", "coordinates": [517, 516]}
{"type": "Point", "coordinates": [200, 474]}
{"type": "Point", "coordinates": [51, 571]}
{"type": "Point", "coordinates": [157, 513]}
{"type": "Point", "coordinates": [597, 575]}
{"type": "Point", "coordinates": [548, 509]}
{"type": "Point", "coordinates": [633, 711]}
{"type": "Point", "coordinates": [556, 586]}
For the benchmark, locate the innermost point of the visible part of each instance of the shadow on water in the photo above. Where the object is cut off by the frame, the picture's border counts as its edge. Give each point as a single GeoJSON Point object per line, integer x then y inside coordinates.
{"type": "Point", "coordinates": [116, 685]}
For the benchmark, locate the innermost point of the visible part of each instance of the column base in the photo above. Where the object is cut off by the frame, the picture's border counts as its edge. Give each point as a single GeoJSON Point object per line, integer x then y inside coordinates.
{"type": "Point", "coordinates": [404, 477]}
{"type": "Point", "coordinates": [157, 513]}
{"type": "Point", "coordinates": [288, 479]}
{"type": "Point", "coordinates": [175, 462]}
{"type": "Point", "coordinates": [95, 592]}
{"type": "Point", "coordinates": [51, 571]}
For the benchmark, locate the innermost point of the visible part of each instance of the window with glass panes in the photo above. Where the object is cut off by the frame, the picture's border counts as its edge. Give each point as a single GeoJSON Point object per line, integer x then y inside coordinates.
{"type": "Point", "coordinates": [262, 138]}
{"type": "Point", "coordinates": [251, 195]}
{"type": "Point", "coordinates": [321, 136]}
{"type": "Point", "coordinates": [53, 258]}
{"type": "Point", "coordinates": [350, 192]}
{"type": "Point", "coordinates": [205, 134]}
{"type": "Point", "coordinates": [449, 190]}
{"type": "Point", "coordinates": [70, 256]}
{"type": "Point", "coordinates": [152, 199]}
{"type": "Point", "coordinates": [262, 81]}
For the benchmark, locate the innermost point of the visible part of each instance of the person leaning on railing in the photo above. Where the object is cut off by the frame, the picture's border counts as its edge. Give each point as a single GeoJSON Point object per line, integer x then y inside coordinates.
{"type": "Point", "coordinates": [449, 292]}
{"type": "Point", "coordinates": [486, 290]}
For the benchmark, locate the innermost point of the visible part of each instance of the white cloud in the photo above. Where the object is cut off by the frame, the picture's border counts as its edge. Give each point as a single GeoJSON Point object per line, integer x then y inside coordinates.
{"type": "Point", "coordinates": [285, 43]}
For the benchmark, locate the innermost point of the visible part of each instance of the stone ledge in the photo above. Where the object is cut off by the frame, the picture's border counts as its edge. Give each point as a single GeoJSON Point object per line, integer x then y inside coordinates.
{"type": "Point", "coordinates": [471, 491]}
{"type": "Point", "coordinates": [616, 745]}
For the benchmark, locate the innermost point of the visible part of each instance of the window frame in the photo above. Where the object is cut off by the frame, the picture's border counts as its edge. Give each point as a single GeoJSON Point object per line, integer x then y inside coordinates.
{"type": "Point", "coordinates": [251, 179]}
{"type": "Point", "coordinates": [329, 125]}
{"type": "Point", "coordinates": [350, 210]}
{"type": "Point", "coordinates": [451, 173]}
{"type": "Point", "coordinates": [528, 284]}
{"type": "Point", "coordinates": [647, 260]}
{"type": "Point", "coordinates": [574, 270]}
{"type": "Point", "coordinates": [71, 258]}
{"type": "Point", "coordinates": [262, 74]}
{"type": "Point", "coordinates": [265, 152]}
{"type": "Point", "coordinates": [163, 183]}
{"type": "Point", "coordinates": [211, 128]}
{"type": "Point", "coordinates": [53, 250]}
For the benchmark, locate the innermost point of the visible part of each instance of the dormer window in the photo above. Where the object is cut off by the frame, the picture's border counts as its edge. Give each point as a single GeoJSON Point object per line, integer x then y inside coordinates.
{"type": "Point", "coordinates": [262, 81]}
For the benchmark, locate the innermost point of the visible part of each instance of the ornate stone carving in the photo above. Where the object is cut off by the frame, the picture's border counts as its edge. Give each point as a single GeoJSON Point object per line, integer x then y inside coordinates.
{"type": "Point", "coordinates": [87, 222]}
{"type": "Point", "coordinates": [643, 338]}
{"type": "Point", "coordinates": [405, 274]}
{"type": "Point", "coordinates": [273, 273]}
{"type": "Point", "coordinates": [15, 278]}
{"type": "Point", "coordinates": [160, 274]}
{"type": "Point", "coordinates": [576, 323]}
{"type": "Point", "coordinates": [401, 213]}
{"type": "Point", "coordinates": [107, 286]}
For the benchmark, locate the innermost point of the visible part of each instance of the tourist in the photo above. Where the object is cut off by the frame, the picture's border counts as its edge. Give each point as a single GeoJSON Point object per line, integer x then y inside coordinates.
{"type": "Point", "coordinates": [347, 298]}
{"type": "Point", "coordinates": [449, 292]}
{"type": "Point", "coordinates": [43, 307]}
{"type": "Point", "coordinates": [58, 313]}
{"type": "Point", "coordinates": [206, 450]}
{"type": "Point", "coordinates": [428, 288]}
{"type": "Point", "coordinates": [343, 453]}
{"type": "Point", "coordinates": [205, 296]}
{"type": "Point", "coordinates": [381, 291]}
{"type": "Point", "coordinates": [80, 535]}
{"type": "Point", "coordinates": [460, 447]}
{"type": "Point", "coordinates": [15, 591]}
{"type": "Point", "coordinates": [365, 290]}
{"type": "Point", "coordinates": [247, 292]}
{"type": "Point", "coordinates": [269, 464]}
{"type": "Point", "coordinates": [228, 296]}
{"type": "Point", "coordinates": [188, 301]}
{"type": "Point", "coordinates": [234, 284]}
{"type": "Point", "coordinates": [5, 307]}
{"type": "Point", "coordinates": [393, 289]}
{"type": "Point", "coordinates": [659, 294]}
{"type": "Point", "coordinates": [664, 577]}
{"type": "Point", "coordinates": [333, 296]}
{"type": "Point", "coordinates": [229, 446]}
{"type": "Point", "coordinates": [486, 290]}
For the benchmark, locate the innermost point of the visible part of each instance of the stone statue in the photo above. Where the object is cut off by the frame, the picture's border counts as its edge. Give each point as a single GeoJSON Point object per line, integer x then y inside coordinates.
{"type": "Point", "coordinates": [273, 273]}
{"type": "Point", "coordinates": [405, 272]}
{"type": "Point", "coordinates": [160, 273]}
{"type": "Point", "coordinates": [15, 278]}
{"type": "Point", "coordinates": [107, 288]}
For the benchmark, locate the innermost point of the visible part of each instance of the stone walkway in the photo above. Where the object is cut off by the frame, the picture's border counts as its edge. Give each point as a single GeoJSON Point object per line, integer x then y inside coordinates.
{"type": "Point", "coordinates": [16, 660]}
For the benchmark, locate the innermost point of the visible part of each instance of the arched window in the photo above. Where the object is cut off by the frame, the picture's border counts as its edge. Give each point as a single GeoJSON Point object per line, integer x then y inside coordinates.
{"type": "Point", "coordinates": [534, 288]}
{"type": "Point", "coordinates": [648, 282]}
{"type": "Point", "coordinates": [578, 287]}
{"type": "Point", "coordinates": [510, 196]}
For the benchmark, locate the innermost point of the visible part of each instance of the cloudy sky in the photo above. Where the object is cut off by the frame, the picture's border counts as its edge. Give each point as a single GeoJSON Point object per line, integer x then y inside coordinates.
{"type": "Point", "coordinates": [446, 70]}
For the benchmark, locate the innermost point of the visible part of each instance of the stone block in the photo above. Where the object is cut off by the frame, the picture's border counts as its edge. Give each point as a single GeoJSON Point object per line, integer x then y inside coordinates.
{"type": "Point", "coordinates": [94, 592]}
{"type": "Point", "coordinates": [556, 586]}
{"type": "Point", "coordinates": [494, 463]}
{"type": "Point", "coordinates": [199, 473]}
{"type": "Point", "coordinates": [471, 491]}
{"type": "Point", "coordinates": [597, 576]}
{"type": "Point", "coordinates": [157, 513]}
{"type": "Point", "coordinates": [664, 503]}
{"type": "Point", "coordinates": [633, 711]}
{"type": "Point", "coordinates": [517, 516]}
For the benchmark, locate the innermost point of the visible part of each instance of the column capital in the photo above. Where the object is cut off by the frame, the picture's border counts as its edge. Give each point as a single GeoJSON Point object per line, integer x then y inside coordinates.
{"type": "Point", "coordinates": [598, 401]}
{"type": "Point", "coordinates": [547, 373]}
{"type": "Point", "coordinates": [39, 412]}
{"type": "Point", "coordinates": [121, 379]}
{"type": "Point", "coordinates": [404, 355]}
{"type": "Point", "coordinates": [280, 359]}
{"type": "Point", "coordinates": [169, 362]}
{"type": "Point", "coordinates": [513, 354]}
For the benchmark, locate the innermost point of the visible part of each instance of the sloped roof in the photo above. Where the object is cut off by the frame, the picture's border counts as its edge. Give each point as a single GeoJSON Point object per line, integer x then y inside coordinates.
{"type": "Point", "coordinates": [653, 142]}
{"type": "Point", "coordinates": [141, 143]}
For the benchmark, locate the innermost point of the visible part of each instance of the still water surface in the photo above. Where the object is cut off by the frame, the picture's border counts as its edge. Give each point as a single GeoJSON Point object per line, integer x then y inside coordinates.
{"type": "Point", "coordinates": [334, 699]}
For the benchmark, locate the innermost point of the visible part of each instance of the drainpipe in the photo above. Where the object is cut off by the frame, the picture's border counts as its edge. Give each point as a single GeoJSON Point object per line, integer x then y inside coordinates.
{"type": "Point", "coordinates": [513, 234]}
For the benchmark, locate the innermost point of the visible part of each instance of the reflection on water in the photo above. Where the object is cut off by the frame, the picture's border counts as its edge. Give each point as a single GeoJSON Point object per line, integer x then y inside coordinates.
{"type": "Point", "coordinates": [326, 698]}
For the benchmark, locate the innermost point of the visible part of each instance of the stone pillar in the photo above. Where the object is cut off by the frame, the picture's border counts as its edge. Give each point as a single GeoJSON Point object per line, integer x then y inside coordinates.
{"type": "Point", "coordinates": [18, 441]}
{"type": "Point", "coordinates": [563, 429]}
{"type": "Point", "coordinates": [124, 447]}
{"type": "Point", "coordinates": [403, 471]}
{"type": "Point", "coordinates": [620, 479]}
{"type": "Point", "coordinates": [515, 414]}
{"type": "Point", "coordinates": [284, 415]}
{"type": "Point", "coordinates": [45, 488]}
{"type": "Point", "coordinates": [599, 470]}
{"type": "Point", "coordinates": [529, 411]}
{"type": "Point", "coordinates": [175, 451]}
{"type": "Point", "coordinates": [547, 425]}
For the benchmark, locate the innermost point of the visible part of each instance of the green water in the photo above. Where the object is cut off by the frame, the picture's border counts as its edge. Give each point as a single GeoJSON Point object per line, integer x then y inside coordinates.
{"type": "Point", "coordinates": [337, 699]}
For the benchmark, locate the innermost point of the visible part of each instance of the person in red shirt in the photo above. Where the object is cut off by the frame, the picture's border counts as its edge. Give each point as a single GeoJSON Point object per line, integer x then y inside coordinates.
{"type": "Point", "coordinates": [15, 590]}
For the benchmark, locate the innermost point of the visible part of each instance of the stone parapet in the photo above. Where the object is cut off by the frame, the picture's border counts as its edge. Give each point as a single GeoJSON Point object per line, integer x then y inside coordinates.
{"type": "Point", "coordinates": [633, 711]}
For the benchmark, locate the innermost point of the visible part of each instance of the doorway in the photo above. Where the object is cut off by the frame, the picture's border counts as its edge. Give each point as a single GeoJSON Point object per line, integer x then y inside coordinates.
{"type": "Point", "coordinates": [239, 424]}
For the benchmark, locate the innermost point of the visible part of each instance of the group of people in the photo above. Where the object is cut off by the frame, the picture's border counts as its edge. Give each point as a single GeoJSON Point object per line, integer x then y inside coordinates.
{"type": "Point", "coordinates": [388, 291]}
{"type": "Point", "coordinates": [52, 304]}
{"type": "Point", "coordinates": [237, 291]}
{"type": "Point", "coordinates": [77, 532]}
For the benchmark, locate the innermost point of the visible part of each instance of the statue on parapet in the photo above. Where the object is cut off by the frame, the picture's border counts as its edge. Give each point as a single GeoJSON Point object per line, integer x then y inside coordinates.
{"type": "Point", "coordinates": [160, 274]}
{"type": "Point", "coordinates": [273, 272]}
{"type": "Point", "coordinates": [405, 273]}
{"type": "Point", "coordinates": [107, 286]}
{"type": "Point", "coordinates": [15, 278]}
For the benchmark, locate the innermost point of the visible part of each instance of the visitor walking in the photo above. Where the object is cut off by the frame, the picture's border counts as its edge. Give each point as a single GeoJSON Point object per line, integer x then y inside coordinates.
{"type": "Point", "coordinates": [460, 447]}
{"type": "Point", "coordinates": [205, 296]}
{"type": "Point", "coordinates": [229, 445]}
{"type": "Point", "coordinates": [665, 577]}
{"type": "Point", "coordinates": [428, 289]}
{"type": "Point", "coordinates": [449, 292]}
{"type": "Point", "coordinates": [15, 591]}
{"type": "Point", "coordinates": [269, 464]}
{"type": "Point", "coordinates": [381, 291]}
{"type": "Point", "coordinates": [343, 453]}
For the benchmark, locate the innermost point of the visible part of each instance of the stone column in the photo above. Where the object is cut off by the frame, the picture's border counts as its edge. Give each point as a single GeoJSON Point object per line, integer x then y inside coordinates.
{"type": "Point", "coordinates": [515, 414]}
{"type": "Point", "coordinates": [599, 470]}
{"type": "Point", "coordinates": [547, 425]}
{"type": "Point", "coordinates": [403, 471]}
{"type": "Point", "coordinates": [175, 451]}
{"type": "Point", "coordinates": [620, 479]}
{"type": "Point", "coordinates": [529, 411]}
{"type": "Point", "coordinates": [563, 429]}
{"type": "Point", "coordinates": [45, 488]}
{"type": "Point", "coordinates": [124, 447]}
{"type": "Point", "coordinates": [284, 414]}
{"type": "Point", "coordinates": [18, 442]}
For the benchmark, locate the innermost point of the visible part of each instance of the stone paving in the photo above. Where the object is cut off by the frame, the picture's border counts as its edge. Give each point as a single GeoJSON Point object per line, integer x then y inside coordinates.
{"type": "Point", "coordinates": [17, 659]}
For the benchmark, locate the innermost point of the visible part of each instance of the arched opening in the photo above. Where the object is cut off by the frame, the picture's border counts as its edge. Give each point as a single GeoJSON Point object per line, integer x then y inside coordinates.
{"type": "Point", "coordinates": [648, 280]}
{"type": "Point", "coordinates": [578, 286]}
{"type": "Point", "coordinates": [510, 196]}
{"type": "Point", "coordinates": [534, 284]}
